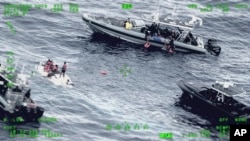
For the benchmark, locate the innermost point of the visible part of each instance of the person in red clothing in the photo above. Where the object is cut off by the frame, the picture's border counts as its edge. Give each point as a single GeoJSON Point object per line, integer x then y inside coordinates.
{"type": "Point", "coordinates": [63, 69]}
{"type": "Point", "coordinates": [51, 66]}
{"type": "Point", "coordinates": [46, 66]}
{"type": "Point", "coordinates": [54, 71]}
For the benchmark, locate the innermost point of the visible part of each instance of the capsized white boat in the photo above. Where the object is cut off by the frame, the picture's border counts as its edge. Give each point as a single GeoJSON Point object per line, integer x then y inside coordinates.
{"type": "Point", "coordinates": [56, 79]}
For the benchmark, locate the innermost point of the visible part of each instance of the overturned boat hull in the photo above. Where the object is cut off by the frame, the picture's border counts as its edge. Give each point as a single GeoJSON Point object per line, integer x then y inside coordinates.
{"type": "Point", "coordinates": [57, 79]}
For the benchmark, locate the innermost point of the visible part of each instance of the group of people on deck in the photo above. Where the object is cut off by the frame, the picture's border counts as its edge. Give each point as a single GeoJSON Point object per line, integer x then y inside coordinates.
{"type": "Point", "coordinates": [53, 69]}
{"type": "Point", "coordinates": [155, 30]}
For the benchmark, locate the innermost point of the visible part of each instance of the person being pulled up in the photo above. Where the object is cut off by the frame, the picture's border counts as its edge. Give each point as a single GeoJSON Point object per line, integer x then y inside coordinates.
{"type": "Point", "coordinates": [53, 71]}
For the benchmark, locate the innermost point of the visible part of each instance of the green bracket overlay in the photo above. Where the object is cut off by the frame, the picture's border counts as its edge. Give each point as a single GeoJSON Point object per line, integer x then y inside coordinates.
{"type": "Point", "coordinates": [127, 6]}
{"type": "Point", "coordinates": [125, 71]}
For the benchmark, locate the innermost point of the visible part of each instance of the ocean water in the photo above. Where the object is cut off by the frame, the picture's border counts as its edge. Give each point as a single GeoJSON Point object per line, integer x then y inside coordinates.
{"type": "Point", "coordinates": [148, 96]}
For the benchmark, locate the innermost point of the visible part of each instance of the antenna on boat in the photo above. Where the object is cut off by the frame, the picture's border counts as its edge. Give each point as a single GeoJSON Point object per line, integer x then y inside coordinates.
{"type": "Point", "coordinates": [173, 13]}
{"type": "Point", "coordinates": [15, 65]}
{"type": "Point", "coordinates": [22, 69]}
{"type": "Point", "coordinates": [158, 9]}
{"type": "Point", "coordinates": [156, 16]}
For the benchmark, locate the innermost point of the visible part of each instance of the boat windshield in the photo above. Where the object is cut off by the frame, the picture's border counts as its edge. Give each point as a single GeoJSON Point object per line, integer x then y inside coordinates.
{"type": "Point", "coordinates": [138, 23]}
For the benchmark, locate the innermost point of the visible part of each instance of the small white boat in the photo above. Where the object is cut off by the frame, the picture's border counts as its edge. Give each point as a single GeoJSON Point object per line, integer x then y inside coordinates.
{"type": "Point", "coordinates": [56, 79]}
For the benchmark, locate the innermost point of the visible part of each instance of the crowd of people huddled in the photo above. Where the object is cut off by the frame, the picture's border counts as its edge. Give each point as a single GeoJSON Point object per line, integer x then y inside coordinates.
{"type": "Point", "coordinates": [171, 35]}
{"type": "Point", "coordinates": [155, 30]}
{"type": "Point", "coordinates": [52, 68]}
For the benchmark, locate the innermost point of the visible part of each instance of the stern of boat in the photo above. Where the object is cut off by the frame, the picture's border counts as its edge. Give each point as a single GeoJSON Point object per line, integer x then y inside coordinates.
{"type": "Point", "coordinates": [85, 17]}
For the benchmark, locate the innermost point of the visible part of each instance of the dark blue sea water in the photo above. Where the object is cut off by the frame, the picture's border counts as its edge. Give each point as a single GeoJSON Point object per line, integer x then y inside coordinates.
{"type": "Point", "coordinates": [146, 96]}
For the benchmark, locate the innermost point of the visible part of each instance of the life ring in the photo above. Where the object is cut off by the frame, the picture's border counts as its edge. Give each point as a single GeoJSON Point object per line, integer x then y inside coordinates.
{"type": "Point", "coordinates": [103, 72]}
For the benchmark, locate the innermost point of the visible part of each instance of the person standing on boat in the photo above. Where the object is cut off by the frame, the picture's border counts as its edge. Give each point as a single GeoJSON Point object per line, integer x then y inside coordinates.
{"type": "Point", "coordinates": [124, 24]}
{"type": "Point", "coordinates": [128, 24]}
{"type": "Point", "coordinates": [63, 69]}
{"type": "Point", "coordinates": [173, 34]}
{"type": "Point", "coordinates": [51, 65]}
{"type": "Point", "coordinates": [47, 65]}
{"type": "Point", "coordinates": [158, 30]}
{"type": "Point", "coordinates": [147, 37]}
{"type": "Point", "coordinates": [153, 29]}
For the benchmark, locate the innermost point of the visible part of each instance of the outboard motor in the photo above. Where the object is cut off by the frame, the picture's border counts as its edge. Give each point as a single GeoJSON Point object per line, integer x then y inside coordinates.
{"type": "Point", "coordinates": [212, 48]}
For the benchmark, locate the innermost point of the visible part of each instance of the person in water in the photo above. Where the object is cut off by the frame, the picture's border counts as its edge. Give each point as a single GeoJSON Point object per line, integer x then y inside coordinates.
{"type": "Point", "coordinates": [63, 69]}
